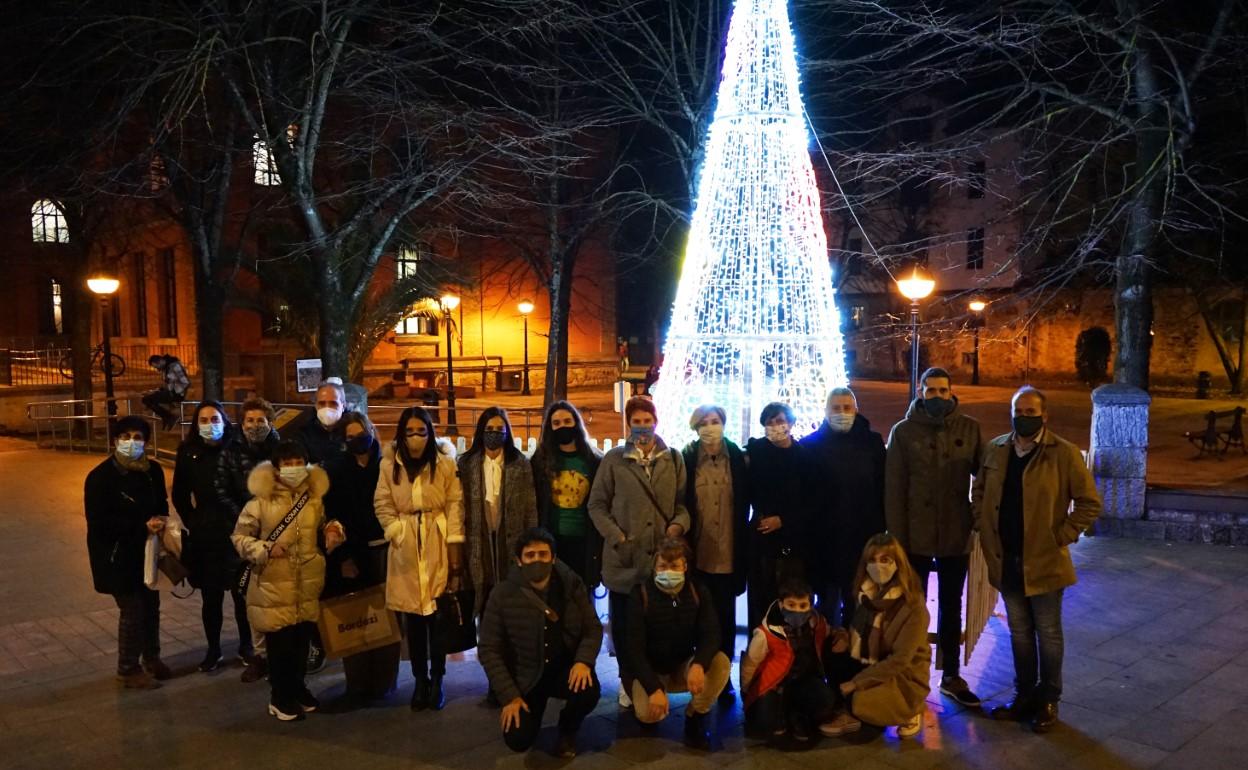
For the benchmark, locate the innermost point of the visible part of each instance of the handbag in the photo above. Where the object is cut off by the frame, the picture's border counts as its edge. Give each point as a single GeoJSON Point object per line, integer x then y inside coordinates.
{"type": "Point", "coordinates": [161, 569]}
{"type": "Point", "coordinates": [453, 620]}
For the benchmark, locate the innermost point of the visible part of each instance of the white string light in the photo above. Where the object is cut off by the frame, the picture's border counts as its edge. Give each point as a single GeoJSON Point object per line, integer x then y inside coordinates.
{"type": "Point", "coordinates": [754, 319]}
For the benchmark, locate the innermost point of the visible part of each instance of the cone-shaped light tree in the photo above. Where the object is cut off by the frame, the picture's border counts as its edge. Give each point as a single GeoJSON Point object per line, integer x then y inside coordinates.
{"type": "Point", "coordinates": [754, 319]}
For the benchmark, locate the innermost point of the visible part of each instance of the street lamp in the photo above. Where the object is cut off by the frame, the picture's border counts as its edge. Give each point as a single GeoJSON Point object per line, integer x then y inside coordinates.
{"type": "Point", "coordinates": [104, 286]}
{"type": "Point", "coordinates": [918, 285]}
{"type": "Point", "coordinates": [977, 307]}
{"type": "Point", "coordinates": [448, 303]}
{"type": "Point", "coordinates": [525, 307]}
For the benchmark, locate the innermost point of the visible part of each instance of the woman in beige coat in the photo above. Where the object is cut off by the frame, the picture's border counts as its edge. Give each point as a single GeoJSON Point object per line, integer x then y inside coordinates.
{"type": "Point", "coordinates": [288, 573]}
{"type": "Point", "coordinates": [420, 505]}
{"type": "Point", "coordinates": [880, 663]}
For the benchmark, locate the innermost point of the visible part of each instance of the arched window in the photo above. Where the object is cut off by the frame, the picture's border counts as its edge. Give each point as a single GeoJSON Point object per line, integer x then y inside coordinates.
{"type": "Point", "coordinates": [264, 163]}
{"type": "Point", "coordinates": [47, 222]}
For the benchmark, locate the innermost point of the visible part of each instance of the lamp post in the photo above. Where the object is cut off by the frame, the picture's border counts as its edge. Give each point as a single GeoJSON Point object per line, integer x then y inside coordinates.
{"type": "Point", "coordinates": [918, 285]}
{"type": "Point", "coordinates": [448, 303]}
{"type": "Point", "coordinates": [977, 322]}
{"type": "Point", "coordinates": [104, 286]}
{"type": "Point", "coordinates": [525, 307]}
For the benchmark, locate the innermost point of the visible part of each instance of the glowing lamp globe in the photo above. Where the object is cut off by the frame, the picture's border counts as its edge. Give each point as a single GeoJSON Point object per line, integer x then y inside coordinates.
{"type": "Point", "coordinates": [917, 286]}
{"type": "Point", "coordinates": [525, 307]}
{"type": "Point", "coordinates": [977, 305]}
{"type": "Point", "coordinates": [103, 284]}
{"type": "Point", "coordinates": [449, 302]}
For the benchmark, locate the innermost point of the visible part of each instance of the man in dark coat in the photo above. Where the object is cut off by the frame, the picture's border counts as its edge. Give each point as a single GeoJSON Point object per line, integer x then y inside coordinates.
{"type": "Point", "coordinates": [539, 640]}
{"type": "Point", "coordinates": [317, 434]}
{"type": "Point", "coordinates": [847, 458]}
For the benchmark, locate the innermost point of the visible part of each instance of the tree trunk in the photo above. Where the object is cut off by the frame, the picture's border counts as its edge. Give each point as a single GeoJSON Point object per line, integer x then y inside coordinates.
{"type": "Point", "coordinates": [82, 312]}
{"type": "Point", "coordinates": [334, 338]}
{"type": "Point", "coordinates": [555, 340]}
{"type": "Point", "coordinates": [565, 315]}
{"type": "Point", "coordinates": [209, 317]}
{"type": "Point", "coordinates": [1237, 377]}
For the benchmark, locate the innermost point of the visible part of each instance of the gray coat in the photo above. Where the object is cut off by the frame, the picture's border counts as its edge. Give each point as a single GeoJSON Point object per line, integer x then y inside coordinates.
{"type": "Point", "coordinates": [633, 511]}
{"type": "Point", "coordinates": [513, 630]}
{"type": "Point", "coordinates": [519, 505]}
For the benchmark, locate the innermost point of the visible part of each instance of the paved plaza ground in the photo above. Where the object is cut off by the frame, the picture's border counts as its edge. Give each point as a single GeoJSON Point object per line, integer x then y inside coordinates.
{"type": "Point", "coordinates": [1156, 676]}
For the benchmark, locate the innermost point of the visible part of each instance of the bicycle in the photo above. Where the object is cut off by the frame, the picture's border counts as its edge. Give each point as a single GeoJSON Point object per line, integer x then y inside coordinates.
{"type": "Point", "coordinates": [97, 363]}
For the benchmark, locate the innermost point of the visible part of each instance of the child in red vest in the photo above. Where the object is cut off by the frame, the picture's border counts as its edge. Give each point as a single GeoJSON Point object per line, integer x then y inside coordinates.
{"type": "Point", "coordinates": [782, 675]}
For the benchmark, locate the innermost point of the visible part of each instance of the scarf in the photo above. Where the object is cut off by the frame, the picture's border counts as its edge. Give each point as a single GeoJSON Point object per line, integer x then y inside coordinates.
{"type": "Point", "coordinates": [140, 465]}
{"type": "Point", "coordinates": [873, 613]}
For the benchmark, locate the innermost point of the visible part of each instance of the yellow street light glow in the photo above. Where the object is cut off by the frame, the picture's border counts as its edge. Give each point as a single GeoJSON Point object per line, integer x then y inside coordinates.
{"type": "Point", "coordinates": [449, 302]}
{"type": "Point", "coordinates": [917, 286]}
{"type": "Point", "coordinates": [525, 307]}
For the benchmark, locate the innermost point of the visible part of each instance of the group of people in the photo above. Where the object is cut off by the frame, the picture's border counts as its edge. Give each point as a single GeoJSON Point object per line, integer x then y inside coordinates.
{"type": "Point", "coordinates": [834, 537]}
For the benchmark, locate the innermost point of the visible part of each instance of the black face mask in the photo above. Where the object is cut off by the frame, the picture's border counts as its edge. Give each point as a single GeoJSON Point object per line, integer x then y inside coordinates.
{"type": "Point", "coordinates": [1027, 425]}
{"type": "Point", "coordinates": [493, 439]}
{"type": "Point", "coordinates": [536, 571]}
{"type": "Point", "coordinates": [359, 444]}
{"type": "Point", "coordinates": [565, 435]}
{"type": "Point", "coordinates": [938, 407]}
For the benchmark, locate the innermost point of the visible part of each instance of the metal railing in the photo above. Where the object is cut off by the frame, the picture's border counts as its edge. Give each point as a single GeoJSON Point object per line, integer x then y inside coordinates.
{"type": "Point", "coordinates": [80, 425]}
{"type": "Point", "coordinates": [54, 365]}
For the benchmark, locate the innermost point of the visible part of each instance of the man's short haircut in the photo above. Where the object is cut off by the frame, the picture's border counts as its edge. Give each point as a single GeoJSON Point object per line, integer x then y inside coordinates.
{"type": "Point", "coordinates": [640, 404]}
{"type": "Point", "coordinates": [257, 405]}
{"type": "Point", "coordinates": [671, 549]}
{"type": "Point", "coordinates": [934, 371]}
{"type": "Point", "coordinates": [289, 449]}
{"type": "Point", "coordinates": [776, 409]}
{"type": "Point", "coordinates": [704, 411]}
{"type": "Point", "coordinates": [793, 588]}
{"type": "Point", "coordinates": [336, 384]}
{"type": "Point", "coordinates": [534, 535]}
{"type": "Point", "coordinates": [1028, 390]}
{"type": "Point", "coordinates": [842, 392]}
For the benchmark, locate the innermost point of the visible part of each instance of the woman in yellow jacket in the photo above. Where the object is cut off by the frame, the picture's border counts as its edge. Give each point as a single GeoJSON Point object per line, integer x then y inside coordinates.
{"type": "Point", "coordinates": [420, 505]}
{"type": "Point", "coordinates": [288, 572]}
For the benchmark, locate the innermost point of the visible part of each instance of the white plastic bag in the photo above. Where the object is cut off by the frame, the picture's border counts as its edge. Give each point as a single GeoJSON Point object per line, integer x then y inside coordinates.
{"type": "Point", "coordinates": [169, 541]}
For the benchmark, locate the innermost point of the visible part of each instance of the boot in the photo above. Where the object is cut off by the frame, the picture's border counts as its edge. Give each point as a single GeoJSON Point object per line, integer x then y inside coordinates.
{"type": "Point", "coordinates": [420, 694]}
{"type": "Point", "coordinates": [697, 735]}
{"type": "Point", "coordinates": [138, 680]}
{"type": "Point", "coordinates": [436, 698]}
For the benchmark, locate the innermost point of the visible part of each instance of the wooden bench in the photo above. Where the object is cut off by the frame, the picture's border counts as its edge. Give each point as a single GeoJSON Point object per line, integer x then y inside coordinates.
{"type": "Point", "coordinates": [1217, 442]}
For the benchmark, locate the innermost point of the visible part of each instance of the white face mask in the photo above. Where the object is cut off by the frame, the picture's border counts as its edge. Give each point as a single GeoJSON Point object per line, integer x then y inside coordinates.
{"type": "Point", "coordinates": [881, 573]}
{"type": "Point", "coordinates": [841, 423]}
{"type": "Point", "coordinates": [416, 445]}
{"type": "Point", "coordinates": [293, 476]}
{"type": "Point", "coordinates": [328, 415]}
{"type": "Point", "coordinates": [211, 431]}
{"type": "Point", "coordinates": [711, 434]}
{"type": "Point", "coordinates": [129, 449]}
{"type": "Point", "coordinates": [776, 434]}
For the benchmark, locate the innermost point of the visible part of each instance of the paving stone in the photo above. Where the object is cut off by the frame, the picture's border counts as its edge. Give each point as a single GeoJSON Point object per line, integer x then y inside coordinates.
{"type": "Point", "coordinates": [1165, 728]}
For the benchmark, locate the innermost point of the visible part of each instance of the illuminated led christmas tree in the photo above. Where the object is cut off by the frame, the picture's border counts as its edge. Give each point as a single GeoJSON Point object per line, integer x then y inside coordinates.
{"type": "Point", "coordinates": [754, 319]}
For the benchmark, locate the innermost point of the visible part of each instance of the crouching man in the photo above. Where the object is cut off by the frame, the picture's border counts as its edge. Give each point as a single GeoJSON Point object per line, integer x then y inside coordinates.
{"type": "Point", "coordinates": [674, 644]}
{"type": "Point", "coordinates": [539, 640]}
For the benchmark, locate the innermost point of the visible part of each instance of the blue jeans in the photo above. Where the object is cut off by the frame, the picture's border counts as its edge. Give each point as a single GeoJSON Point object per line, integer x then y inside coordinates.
{"type": "Point", "coordinates": [1036, 623]}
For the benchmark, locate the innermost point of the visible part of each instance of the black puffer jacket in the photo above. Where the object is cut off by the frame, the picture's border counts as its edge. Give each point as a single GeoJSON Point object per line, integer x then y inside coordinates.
{"type": "Point", "coordinates": [513, 633]}
{"type": "Point", "coordinates": [118, 503]}
{"type": "Point", "coordinates": [780, 485]}
{"type": "Point", "coordinates": [664, 632]}
{"type": "Point", "coordinates": [206, 550]}
{"type": "Point", "coordinates": [849, 500]}
{"type": "Point", "coordinates": [238, 459]}
{"type": "Point", "coordinates": [350, 501]}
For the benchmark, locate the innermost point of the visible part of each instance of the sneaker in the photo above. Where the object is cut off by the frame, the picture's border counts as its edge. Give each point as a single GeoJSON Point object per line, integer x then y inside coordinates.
{"type": "Point", "coordinates": [257, 668]}
{"type": "Point", "coordinates": [157, 668]}
{"type": "Point", "coordinates": [623, 699]}
{"type": "Point", "coordinates": [138, 680]}
{"type": "Point", "coordinates": [307, 701]}
{"type": "Point", "coordinates": [842, 723]}
{"type": "Point", "coordinates": [211, 662]}
{"type": "Point", "coordinates": [316, 659]}
{"type": "Point", "coordinates": [910, 727]}
{"type": "Point", "coordinates": [957, 688]}
{"type": "Point", "coordinates": [286, 712]}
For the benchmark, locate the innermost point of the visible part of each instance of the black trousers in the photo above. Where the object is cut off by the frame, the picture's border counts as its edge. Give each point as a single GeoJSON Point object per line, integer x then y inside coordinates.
{"type": "Point", "coordinates": [553, 684]}
{"type": "Point", "coordinates": [288, 661]}
{"type": "Point", "coordinates": [574, 552]}
{"type": "Point", "coordinates": [424, 648]}
{"type": "Point", "coordinates": [617, 611]}
{"type": "Point", "coordinates": [212, 613]}
{"type": "Point", "coordinates": [950, 579]}
{"type": "Point", "coordinates": [724, 595]}
{"type": "Point", "coordinates": [138, 629]}
{"type": "Point", "coordinates": [808, 698]}
{"type": "Point", "coordinates": [767, 572]}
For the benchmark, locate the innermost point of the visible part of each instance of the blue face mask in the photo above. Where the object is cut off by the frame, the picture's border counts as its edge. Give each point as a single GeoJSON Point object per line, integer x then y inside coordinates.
{"type": "Point", "coordinates": [795, 619]}
{"type": "Point", "coordinates": [212, 431]}
{"type": "Point", "coordinates": [669, 580]}
{"type": "Point", "coordinates": [129, 449]}
{"type": "Point", "coordinates": [642, 435]}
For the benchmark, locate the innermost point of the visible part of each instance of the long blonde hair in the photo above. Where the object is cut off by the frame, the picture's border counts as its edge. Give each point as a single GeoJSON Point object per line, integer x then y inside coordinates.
{"type": "Point", "coordinates": [905, 576]}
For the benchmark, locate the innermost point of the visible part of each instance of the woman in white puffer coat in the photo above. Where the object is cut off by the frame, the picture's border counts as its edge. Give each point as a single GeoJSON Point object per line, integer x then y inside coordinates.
{"type": "Point", "coordinates": [420, 505]}
{"type": "Point", "coordinates": [288, 573]}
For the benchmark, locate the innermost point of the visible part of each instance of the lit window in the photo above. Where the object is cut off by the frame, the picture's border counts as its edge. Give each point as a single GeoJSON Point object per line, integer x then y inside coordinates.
{"type": "Point", "coordinates": [58, 319]}
{"type": "Point", "coordinates": [264, 163]}
{"type": "Point", "coordinates": [407, 265]}
{"type": "Point", "coordinates": [47, 221]}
